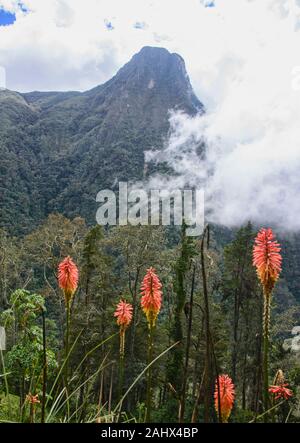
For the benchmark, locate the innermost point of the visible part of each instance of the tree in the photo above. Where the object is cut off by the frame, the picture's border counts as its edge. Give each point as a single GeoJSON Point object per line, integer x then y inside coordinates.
{"type": "Point", "coordinates": [243, 303]}
{"type": "Point", "coordinates": [25, 360]}
{"type": "Point", "coordinates": [176, 368]}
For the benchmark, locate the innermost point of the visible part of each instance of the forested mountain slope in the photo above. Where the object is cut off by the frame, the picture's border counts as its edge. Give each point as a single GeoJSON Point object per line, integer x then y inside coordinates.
{"type": "Point", "coordinates": [58, 149]}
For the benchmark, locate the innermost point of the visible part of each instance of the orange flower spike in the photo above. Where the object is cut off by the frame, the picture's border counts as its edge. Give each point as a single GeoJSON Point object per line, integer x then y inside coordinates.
{"type": "Point", "coordinates": [32, 399]}
{"type": "Point", "coordinates": [226, 396]}
{"type": "Point", "coordinates": [123, 314]}
{"type": "Point", "coordinates": [281, 391]}
{"type": "Point", "coordinates": [68, 277]}
{"type": "Point", "coordinates": [267, 259]}
{"type": "Point", "coordinates": [124, 317]}
{"type": "Point", "coordinates": [151, 296]}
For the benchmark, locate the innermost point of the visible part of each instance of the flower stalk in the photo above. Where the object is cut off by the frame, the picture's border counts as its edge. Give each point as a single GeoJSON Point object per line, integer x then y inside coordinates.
{"type": "Point", "coordinates": [267, 260]}
{"type": "Point", "coordinates": [123, 314]}
{"type": "Point", "coordinates": [68, 281]}
{"type": "Point", "coordinates": [33, 400]}
{"type": "Point", "coordinates": [151, 305]}
{"type": "Point", "coordinates": [280, 389]}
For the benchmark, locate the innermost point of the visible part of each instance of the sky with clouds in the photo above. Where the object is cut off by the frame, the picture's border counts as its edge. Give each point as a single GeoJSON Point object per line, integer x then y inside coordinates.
{"type": "Point", "coordinates": [243, 59]}
{"type": "Point", "coordinates": [70, 44]}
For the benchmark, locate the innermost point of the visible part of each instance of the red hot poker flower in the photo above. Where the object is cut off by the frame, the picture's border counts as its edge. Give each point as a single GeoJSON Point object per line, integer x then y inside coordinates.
{"type": "Point", "coordinates": [32, 399]}
{"type": "Point", "coordinates": [151, 296]}
{"type": "Point", "coordinates": [124, 317]}
{"type": "Point", "coordinates": [281, 391]}
{"type": "Point", "coordinates": [68, 278]}
{"type": "Point", "coordinates": [267, 259]}
{"type": "Point", "coordinates": [123, 314]}
{"type": "Point", "coordinates": [226, 396]}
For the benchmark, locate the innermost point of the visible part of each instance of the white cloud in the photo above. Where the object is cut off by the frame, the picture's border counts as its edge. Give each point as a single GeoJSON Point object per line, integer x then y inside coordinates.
{"type": "Point", "coordinates": [252, 163]}
{"type": "Point", "coordinates": [67, 35]}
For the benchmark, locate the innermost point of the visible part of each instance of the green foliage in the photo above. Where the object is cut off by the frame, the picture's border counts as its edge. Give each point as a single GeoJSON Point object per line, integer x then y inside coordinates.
{"type": "Point", "coordinates": [112, 264]}
{"type": "Point", "coordinates": [242, 300]}
{"type": "Point", "coordinates": [9, 408]}
{"type": "Point", "coordinates": [24, 359]}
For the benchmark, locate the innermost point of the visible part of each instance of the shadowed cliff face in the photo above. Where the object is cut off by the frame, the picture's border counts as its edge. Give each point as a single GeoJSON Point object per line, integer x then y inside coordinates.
{"type": "Point", "coordinates": [59, 149]}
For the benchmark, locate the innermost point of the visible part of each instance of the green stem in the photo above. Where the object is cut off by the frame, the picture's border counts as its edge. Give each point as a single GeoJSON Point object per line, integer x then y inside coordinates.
{"type": "Point", "coordinates": [267, 412]}
{"type": "Point", "coordinates": [68, 315]}
{"type": "Point", "coordinates": [266, 321]}
{"type": "Point", "coordinates": [119, 405]}
{"type": "Point", "coordinates": [273, 411]}
{"type": "Point", "coordinates": [67, 338]}
{"type": "Point", "coordinates": [121, 365]}
{"type": "Point", "coordinates": [31, 418]}
{"type": "Point", "coordinates": [149, 375]}
{"type": "Point", "coordinates": [44, 369]}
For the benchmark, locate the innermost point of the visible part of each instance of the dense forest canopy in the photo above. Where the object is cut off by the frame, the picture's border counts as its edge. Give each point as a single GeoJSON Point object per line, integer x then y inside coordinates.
{"type": "Point", "coordinates": [112, 265]}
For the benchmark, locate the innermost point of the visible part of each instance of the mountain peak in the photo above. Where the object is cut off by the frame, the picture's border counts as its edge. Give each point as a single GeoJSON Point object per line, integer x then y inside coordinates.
{"type": "Point", "coordinates": [156, 70]}
{"type": "Point", "coordinates": [149, 54]}
{"type": "Point", "coordinates": [154, 50]}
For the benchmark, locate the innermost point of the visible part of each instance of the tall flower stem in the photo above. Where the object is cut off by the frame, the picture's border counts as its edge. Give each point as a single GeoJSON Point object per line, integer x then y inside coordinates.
{"type": "Point", "coordinates": [68, 282]}
{"type": "Point", "coordinates": [266, 327]}
{"type": "Point", "coordinates": [67, 345]}
{"type": "Point", "coordinates": [267, 260]}
{"type": "Point", "coordinates": [123, 314]}
{"type": "Point", "coordinates": [151, 304]}
{"type": "Point", "coordinates": [149, 375]}
{"type": "Point", "coordinates": [121, 368]}
{"type": "Point", "coordinates": [32, 413]}
{"type": "Point", "coordinates": [33, 400]}
{"type": "Point", "coordinates": [44, 368]}
{"type": "Point", "coordinates": [121, 364]}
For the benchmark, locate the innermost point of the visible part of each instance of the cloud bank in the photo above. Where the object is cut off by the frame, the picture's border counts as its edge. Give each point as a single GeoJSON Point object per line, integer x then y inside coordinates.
{"type": "Point", "coordinates": [244, 179]}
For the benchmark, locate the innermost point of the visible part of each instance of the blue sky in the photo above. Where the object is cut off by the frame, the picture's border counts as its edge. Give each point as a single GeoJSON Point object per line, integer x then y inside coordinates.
{"type": "Point", "coordinates": [6, 18]}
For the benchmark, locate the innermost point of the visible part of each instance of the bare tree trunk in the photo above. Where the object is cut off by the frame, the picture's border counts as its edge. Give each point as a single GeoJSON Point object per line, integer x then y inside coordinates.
{"type": "Point", "coordinates": [207, 372]}
{"type": "Point", "coordinates": [195, 413]}
{"type": "Point", "coordinates": [235, 334]}
{"type": "Point", "coordinates": [196, 364]}
{"type": "Point", "coordinates": [187, 352]}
